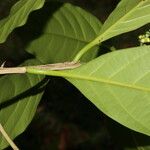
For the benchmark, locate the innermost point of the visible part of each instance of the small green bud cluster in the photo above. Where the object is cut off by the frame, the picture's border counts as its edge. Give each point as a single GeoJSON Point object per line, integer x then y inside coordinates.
{"type": "Point", "coordinates": [145, 38]}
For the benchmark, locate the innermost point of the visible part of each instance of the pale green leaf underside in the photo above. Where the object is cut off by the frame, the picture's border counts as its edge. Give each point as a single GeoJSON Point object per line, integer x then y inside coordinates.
{"type": "Point", "coordinates": [118, 83]}
{"type": "Point", "coordinates": [18, 16]}
{"type": "Point", "coordinates": [68, 30]}
{"type": "Point", "coordinates": [128, 15]}
{"type": "Point", "coordinates": [16, 116]}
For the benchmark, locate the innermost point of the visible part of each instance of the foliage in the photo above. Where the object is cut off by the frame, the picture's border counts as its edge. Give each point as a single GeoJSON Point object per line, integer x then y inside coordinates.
{"type": "Point", "coordinates": [117, 83]}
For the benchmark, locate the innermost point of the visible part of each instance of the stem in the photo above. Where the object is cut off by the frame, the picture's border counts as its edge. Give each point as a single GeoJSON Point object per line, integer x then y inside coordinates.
{"type": "Point", "coordinates": [12, 70]}
{"type": "Point", "coordinates": [56, 66]}
{"type": "Point", "coordinates": [41, 71]}
{"type": "Point", "coordinates": [8, 139]}
{"type": "Point", "coordinates": [85, 49]}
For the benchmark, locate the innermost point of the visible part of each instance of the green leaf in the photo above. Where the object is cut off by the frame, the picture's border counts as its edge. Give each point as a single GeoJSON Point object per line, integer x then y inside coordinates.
{"type": "Point", "coordinates": [18, 16]}
{"type": "Point", "coordinates": [118, 83]}
{"type": "Point", "coordinates": [68, 29]}
{"type": "Point", "coordinates": [20, 95]}
{"type": "Point", "coordinates": [128, 15]}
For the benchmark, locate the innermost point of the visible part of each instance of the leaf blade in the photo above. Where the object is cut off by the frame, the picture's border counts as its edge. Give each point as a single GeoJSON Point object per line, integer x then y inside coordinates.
{"type": "Point", "coordinates": [69, 25]}
{"type": "Point", "coordinates": [18, 102]}
{"type": "Point", "coordinates": [18, 16]}
{"type": "Point", "coordinates": [118, 83]}
{"type": "Point", "coordinates": [125, 104]}
{"type": "Point", "coordinates": [128, 16]}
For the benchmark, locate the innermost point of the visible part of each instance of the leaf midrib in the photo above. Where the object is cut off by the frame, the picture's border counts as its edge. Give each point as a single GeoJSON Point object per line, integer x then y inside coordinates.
{"type": "Point", "coordinates": [110, 82]}
{"type": "Point", "coordinates": [66, 36]}
{"type": "Point", "coordinates": [70, 75]}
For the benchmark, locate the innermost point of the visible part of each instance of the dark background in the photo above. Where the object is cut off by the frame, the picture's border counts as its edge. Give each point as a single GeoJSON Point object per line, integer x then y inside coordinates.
{"type": "Point", "coordinates": [65, 119]}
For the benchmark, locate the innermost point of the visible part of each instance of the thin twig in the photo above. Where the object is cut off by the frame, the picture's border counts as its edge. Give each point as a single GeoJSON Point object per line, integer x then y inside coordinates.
{"type": "Point", "coordinates": [12, 70]}
{"type": "Point", "coordinates": [56, 66]}
{"type": "Point", "coordinates": [8, 139]}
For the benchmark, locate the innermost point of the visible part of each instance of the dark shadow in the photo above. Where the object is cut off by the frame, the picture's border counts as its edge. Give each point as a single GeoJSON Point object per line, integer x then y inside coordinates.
{"type": "Point", "coordinates": [71, 106]}
{"type": "Point", "coordinates": [126, 138]}
{"type": "Point", "coordinates": [19, 39]}
{"type": "Point", "coordinates": [5, 7]}
{"type": "Point", "coordinates": [63, 92]}
{"type": "Point", "coordinates": [38, 88]}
